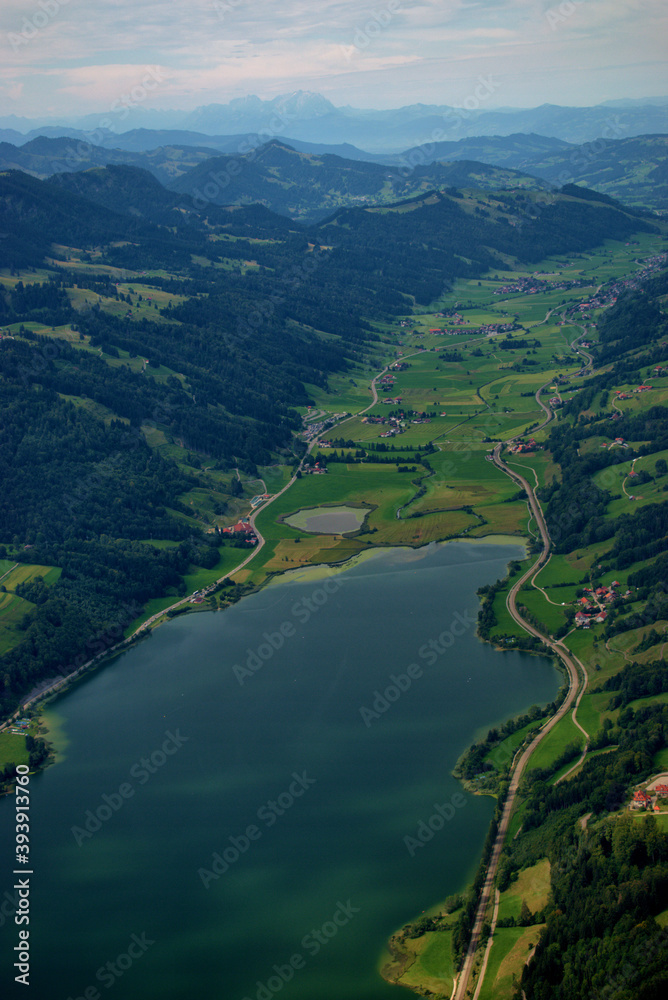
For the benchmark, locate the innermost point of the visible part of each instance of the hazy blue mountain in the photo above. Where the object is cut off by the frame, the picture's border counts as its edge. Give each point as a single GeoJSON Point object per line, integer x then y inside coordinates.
{"type": "Point", "coordinates": [309, 117]}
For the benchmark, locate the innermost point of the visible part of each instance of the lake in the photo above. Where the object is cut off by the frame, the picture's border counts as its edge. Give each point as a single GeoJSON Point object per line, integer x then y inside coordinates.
{"type": "Point", "coordinates": [229, 813]}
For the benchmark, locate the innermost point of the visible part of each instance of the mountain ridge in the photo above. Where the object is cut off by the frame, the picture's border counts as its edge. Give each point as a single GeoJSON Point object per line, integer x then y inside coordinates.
{"type": "Point", "coordinates": [311, 117]}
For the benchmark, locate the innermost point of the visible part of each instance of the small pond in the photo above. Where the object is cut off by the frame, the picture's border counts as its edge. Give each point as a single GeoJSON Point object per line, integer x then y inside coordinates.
{"type": "Point", "coordinates": [328, 520]}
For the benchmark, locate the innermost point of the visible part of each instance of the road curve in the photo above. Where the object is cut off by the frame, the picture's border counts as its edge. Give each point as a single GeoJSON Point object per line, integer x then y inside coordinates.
{"type": "Point", "coordinates": [520, 764]}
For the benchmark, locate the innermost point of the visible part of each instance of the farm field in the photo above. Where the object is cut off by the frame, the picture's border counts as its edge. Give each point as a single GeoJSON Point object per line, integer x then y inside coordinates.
{"type": "Point", "coordinates": [508, 956]}
{"type": "Point", "coordinates": [563, 734]}
{"type": "Point", "coordinates": [13, 749]}
{"type": "Point", "coordinates": [12, 610]}
{"type": "Point", "coordinates": [12, 607]}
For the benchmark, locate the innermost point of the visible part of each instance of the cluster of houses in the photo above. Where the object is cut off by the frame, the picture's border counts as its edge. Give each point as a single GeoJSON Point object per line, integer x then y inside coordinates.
{"type": "Point", "coordinates": [486, 330]}
{"type": "Point", "coordinates": [526, 286]}
{"type": "Point", "coordinates": [643, 798]}
{"type": "Point", "coordinates": [523, 447]}
{"type": "Point", "coordinates": [243, 529]}
{"type": "Point", "coordinates": [609, 296]}
{"type": "Point", "coordinates": [312, 430]}
{"type": "Point", "coordinates": [379, 420]}
{"type": "Point", "coordinates": [620, 394]}
{"type": "Point", "coordinates": [396, 427]}
{"type": "Point", "coordinates": [591, 607]}
{"type": "Point", "coordinates": [532, 285]}
{"type": "Point", "coordinates": [583, 619]}
{"type": "Point", "coordinates": [445, 332]}
{"type": "Point", "coordinates": [315, 470]}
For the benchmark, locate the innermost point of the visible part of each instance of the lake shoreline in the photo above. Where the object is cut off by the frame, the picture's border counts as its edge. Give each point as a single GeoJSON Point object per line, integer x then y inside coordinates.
{"type": "Point", "coordinates": [434, 585]}
{"type": "Point", "coordinates": [37, 701]}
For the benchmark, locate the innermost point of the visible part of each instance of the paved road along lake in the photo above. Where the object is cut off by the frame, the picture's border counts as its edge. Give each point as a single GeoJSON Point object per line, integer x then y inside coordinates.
{"type": "Point", "coordinates": [228, 815]}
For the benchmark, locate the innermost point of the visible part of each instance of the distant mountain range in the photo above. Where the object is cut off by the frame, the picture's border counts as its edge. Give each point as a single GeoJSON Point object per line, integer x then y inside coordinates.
{"type": "Point", "coordinates": [312, 118]}
{"type": "Point", "coordinates": [632, 170]}
{"type": "Point", "coordinates": [307, 181]}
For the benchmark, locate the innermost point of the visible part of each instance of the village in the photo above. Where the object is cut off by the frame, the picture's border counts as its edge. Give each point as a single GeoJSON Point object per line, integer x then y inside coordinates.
{"type": "Point", "coordinates": [620, 394]}
{"type": "Point", "coordinates": [592, 605]}
{"type": "Point", "coordinates": [534, 285]}
{"type": "Point", "coordinates": [520, 447]}
{"type": "Point", "coordinates": [648, 798]}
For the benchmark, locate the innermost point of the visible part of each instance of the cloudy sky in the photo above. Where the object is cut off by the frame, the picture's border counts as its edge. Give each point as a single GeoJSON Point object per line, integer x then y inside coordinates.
{"type": "Point", "coordinates": [70, 57]}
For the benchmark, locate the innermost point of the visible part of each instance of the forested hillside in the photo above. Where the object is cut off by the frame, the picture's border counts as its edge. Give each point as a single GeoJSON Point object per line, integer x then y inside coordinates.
{"type": "Point", "coordinates": [160, 349]}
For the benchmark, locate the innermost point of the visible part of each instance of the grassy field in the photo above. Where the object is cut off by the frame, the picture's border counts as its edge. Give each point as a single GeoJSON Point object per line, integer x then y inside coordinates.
{"type": "Point", "coordinates": [513, 944]}
{"type": "Point", "coordinates": [12, 749]}
{"type": "Point", "coordinates": [24, 573]}
{"type": "Point", "coordinates": [433, 966]}
{"type": "Point", "coordinates": [592, 710]}
{"type": "Point", "coordinates": [505, 751]}
{"type": "Point", "coordinates": [548, 615]}
{"type": "Point", "coordinates": [12, 610]}
{"type": "Point", "coordinates": [12, 607]}
{"type": "Point", "coordinates": [508, 956]}
{"type": "Point", "coordinates": [532, 886]}
{"type": "Point", "coordinates": [564, 733]}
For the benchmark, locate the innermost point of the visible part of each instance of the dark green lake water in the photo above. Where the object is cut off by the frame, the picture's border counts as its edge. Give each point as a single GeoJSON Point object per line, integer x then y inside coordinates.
{"type": "Point", "coordinates": [324, 876]}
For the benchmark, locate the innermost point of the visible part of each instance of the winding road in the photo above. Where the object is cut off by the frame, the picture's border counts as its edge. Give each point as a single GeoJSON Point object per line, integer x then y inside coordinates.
{"type": "Point", "coordinates": [573, 667]}
{"type": "Point", "coordinates": [575, 691]}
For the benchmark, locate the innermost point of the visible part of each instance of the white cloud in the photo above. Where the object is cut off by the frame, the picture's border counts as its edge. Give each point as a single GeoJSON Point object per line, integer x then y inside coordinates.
{"type": "Point", "coordinates": [84, 53]}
